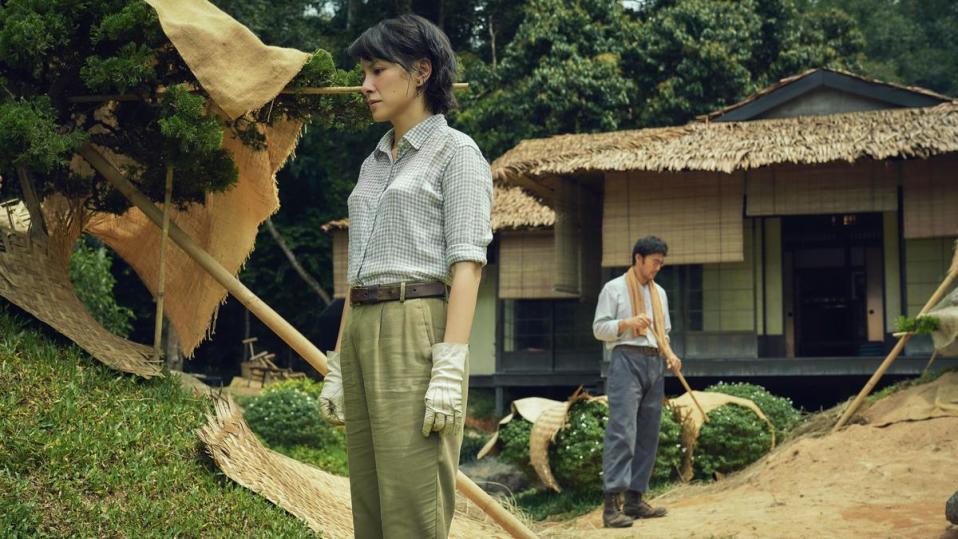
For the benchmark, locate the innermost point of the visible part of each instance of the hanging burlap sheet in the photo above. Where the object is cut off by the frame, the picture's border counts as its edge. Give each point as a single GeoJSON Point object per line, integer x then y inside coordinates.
{"type": "Point", "coordinates": [238, 71]}
{"type": "Point", "coordinates": [241, 74]}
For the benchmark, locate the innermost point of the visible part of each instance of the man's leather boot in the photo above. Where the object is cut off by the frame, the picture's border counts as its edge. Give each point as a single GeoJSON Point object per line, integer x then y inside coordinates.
{"type": "Point", "coordinates": [612, 515]}
{"type": "Point", "coordinates": [636, 507]}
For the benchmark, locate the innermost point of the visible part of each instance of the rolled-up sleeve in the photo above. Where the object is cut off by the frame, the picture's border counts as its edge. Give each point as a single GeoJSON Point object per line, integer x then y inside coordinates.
{"type": "Point", "coordinates": [467, 206]}
{"type": "Point", "coordinates": [605, 327]}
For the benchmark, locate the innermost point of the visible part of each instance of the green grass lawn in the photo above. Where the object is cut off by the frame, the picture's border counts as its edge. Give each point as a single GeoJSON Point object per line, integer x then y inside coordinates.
{"type": "Point", "coordinates": [86, 451]}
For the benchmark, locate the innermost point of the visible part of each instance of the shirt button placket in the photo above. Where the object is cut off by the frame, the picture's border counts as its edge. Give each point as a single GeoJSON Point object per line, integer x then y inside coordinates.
{"type": "Point", "coordinates": [369, 234]}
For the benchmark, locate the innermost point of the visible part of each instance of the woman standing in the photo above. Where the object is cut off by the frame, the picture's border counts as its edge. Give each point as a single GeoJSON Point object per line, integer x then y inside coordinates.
{"type": "Point", "coordinates": [419, 226]}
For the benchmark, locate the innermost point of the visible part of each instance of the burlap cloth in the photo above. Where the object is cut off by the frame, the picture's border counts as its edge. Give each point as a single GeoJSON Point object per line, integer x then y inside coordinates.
{"type": "Point", "coordinates": [927, 401]}
{"type": "Point", "coordinates": [945, 338]}
{"type": "Point", "coordinates": [241, 74]}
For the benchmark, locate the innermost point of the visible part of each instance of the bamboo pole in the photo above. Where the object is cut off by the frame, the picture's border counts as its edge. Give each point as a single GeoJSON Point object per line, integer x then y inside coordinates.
{"type": "Point", "coordinates": [275, 322]}
{"type": "Point", "coordinates": [161, 285]}
{"type": "Point", "coordinates": [324, 90]}
{"type": "Point", "coordinates": [902, 341]}
{"type": "Point", "coordinates": [685, 384]}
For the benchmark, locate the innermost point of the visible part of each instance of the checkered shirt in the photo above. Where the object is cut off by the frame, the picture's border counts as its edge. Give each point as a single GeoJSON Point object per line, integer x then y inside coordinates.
{"type": "Point", "coordinates": [413, 218]}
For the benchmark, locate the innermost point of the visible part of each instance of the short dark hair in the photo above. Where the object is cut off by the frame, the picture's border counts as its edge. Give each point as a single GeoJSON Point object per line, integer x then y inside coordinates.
{"type": "Point", "coordinates": [405, 40]}
{"type": "Point", "coordinates": [649, 245]}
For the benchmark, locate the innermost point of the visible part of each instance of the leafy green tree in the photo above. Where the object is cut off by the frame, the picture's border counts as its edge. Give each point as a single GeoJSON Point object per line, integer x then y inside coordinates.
{"type": "Point", "coordinates": [908, 41]}
{"type": "Point", "coordinates": [53, 51]}
{"type": "Point", "coordinates": [594, 66]}
{"type": "Point", "coordinates": [560, 73]}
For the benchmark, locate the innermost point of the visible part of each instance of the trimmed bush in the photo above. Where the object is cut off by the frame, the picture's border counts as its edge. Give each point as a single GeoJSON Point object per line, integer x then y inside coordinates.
{"type": "Point", "coordinates": [733, 438]}
{"type": "Point", "coordinates": [668, 459]}
{"type": "Point", "coordinates": [779, 410]}
{"type": "Point", "coordinates": [288, 417]}
{"type": "Point", "coordinates": [576, 455]}
{"type": "Point", "coordinates": [306, 385]}
{"type": "Point", "coordinates": [514, 442]}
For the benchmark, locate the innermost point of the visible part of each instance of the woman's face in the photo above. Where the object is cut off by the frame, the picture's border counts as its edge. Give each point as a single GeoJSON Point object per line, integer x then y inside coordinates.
{"type": "Point", "coordinates": [389, 89]}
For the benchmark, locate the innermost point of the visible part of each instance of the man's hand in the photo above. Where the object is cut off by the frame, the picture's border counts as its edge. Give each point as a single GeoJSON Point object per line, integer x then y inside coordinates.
{"type": "Point", "coordinates": [638, 324]}
{"type": "Point", "coordinates": [674, 363]}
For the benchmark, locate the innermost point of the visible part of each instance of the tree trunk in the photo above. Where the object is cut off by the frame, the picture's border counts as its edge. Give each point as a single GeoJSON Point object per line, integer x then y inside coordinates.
{"type": "Point", "coordinates": [441, 16]}
{"type": "Point", "coordinates": [492, 42]}
{"type": "Point", "coordinates": [296, 265]}
{"type": "Point", "coordinates": [352, 12]}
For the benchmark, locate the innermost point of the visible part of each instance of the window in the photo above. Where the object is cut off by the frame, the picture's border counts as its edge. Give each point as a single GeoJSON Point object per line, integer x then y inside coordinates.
{"type": "Point", "coordinates": [534, 325]}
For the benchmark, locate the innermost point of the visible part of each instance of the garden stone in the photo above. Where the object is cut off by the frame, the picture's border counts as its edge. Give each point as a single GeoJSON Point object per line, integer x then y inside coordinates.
{"type": "Point", "coordinates": [496, 477]}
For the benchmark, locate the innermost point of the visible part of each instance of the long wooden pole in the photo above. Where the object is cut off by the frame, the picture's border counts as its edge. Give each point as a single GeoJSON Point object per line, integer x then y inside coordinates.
{"type": "Point", "coordinates": [685, 384]}
{"type": "Point", "coordinates": [161, 285]}
{"type": "Point", "coordinates": [274, 321]}
{"type": "Point", "coordinates": [870, 385]}
{"type": "Point", "coordinates": [324, 90]}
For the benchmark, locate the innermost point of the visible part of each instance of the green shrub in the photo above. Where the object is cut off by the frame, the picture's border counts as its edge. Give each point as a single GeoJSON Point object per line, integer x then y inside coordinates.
{"type": "Point", "coordinates": [307, 385]}
{"type": "Point", "coordinates": [779, 410]}
{"type": "Point", "coordinates": [286, 417]}
{"type": "Point", "coordinates": [668, 459]}
{"type": "Point", "coordinates": [733, 438]}
{"type": "Point", "coordinates": [90, 274]}
{"type": "Point", "coordinates": [576, 455]}
{"type": "Point", "coordinates": [514, 442]}
{"type": "Point", "coordinates": [472, 442]}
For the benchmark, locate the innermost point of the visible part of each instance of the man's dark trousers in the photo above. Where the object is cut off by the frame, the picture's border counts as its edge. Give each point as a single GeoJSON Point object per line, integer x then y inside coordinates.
{"type": "Point", "coordinates": [635, 386]}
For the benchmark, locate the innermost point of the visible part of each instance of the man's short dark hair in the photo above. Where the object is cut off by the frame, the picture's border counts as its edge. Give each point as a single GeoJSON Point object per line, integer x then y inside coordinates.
{"type": "Point", "coordinates": [405, 40]}
{"type": "Point", "coordinates": [649, 245]}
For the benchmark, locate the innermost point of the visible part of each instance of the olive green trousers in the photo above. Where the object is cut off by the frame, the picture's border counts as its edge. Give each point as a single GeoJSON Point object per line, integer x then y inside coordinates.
{"type": "Point", "coordinates": [402, 484]}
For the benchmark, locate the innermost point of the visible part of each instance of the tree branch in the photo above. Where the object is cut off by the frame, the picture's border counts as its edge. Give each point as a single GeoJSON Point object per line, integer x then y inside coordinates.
{"type": "Point", "coordinates": [295, 263]}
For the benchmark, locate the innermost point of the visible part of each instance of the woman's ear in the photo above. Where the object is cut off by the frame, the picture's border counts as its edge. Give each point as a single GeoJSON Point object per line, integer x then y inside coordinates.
{"type": "Point", "coordinates": [423, 72]}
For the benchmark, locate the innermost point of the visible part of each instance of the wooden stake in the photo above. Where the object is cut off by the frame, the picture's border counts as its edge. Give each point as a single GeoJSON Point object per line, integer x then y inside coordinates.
{"type": "Point", "coordinates": [893, 355]}
{"type": "Point", "coordinates": [161, 285]}
{"type": "Point", "coordinates": [325, 90]}
{"type": "Point", "coordinates": [274, 321]}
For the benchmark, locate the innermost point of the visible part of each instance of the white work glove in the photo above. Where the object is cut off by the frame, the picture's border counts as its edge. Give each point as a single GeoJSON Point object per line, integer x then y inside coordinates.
{"type": "Point", "coordinates": [444, 412]}
{"type": "Point", "coordinates": [331, 397]}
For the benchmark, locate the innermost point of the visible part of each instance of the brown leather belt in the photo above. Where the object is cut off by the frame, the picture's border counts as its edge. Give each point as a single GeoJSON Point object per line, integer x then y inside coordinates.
{"type": "Point", "coordinates": [646, 350]}
{"type": "Point", "coordinates": [364, 295]}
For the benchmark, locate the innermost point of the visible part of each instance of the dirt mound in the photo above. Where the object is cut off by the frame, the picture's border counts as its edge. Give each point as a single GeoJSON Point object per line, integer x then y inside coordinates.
{"type": "Point", "coordinates": [864, 481]}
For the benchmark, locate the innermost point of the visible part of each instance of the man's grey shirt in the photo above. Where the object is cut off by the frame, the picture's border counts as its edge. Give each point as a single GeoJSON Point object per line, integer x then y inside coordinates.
{"type": "Point", "coordinates": [412, 218]}
{"type": "Point", "coordinates": [614, 305]}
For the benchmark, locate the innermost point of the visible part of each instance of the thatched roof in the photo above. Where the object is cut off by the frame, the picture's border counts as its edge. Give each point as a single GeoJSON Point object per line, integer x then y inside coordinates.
{"type": "Point", "coordinates": [512, 209]}
{"type": "Point", "coordinates": [795, 78]}
{"type": "Point", "coordinates": [731, 146]}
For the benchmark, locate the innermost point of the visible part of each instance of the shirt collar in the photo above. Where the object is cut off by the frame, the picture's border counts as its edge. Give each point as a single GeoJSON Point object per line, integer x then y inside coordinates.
{"type": "Point", "coordinates": [416, 136]}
